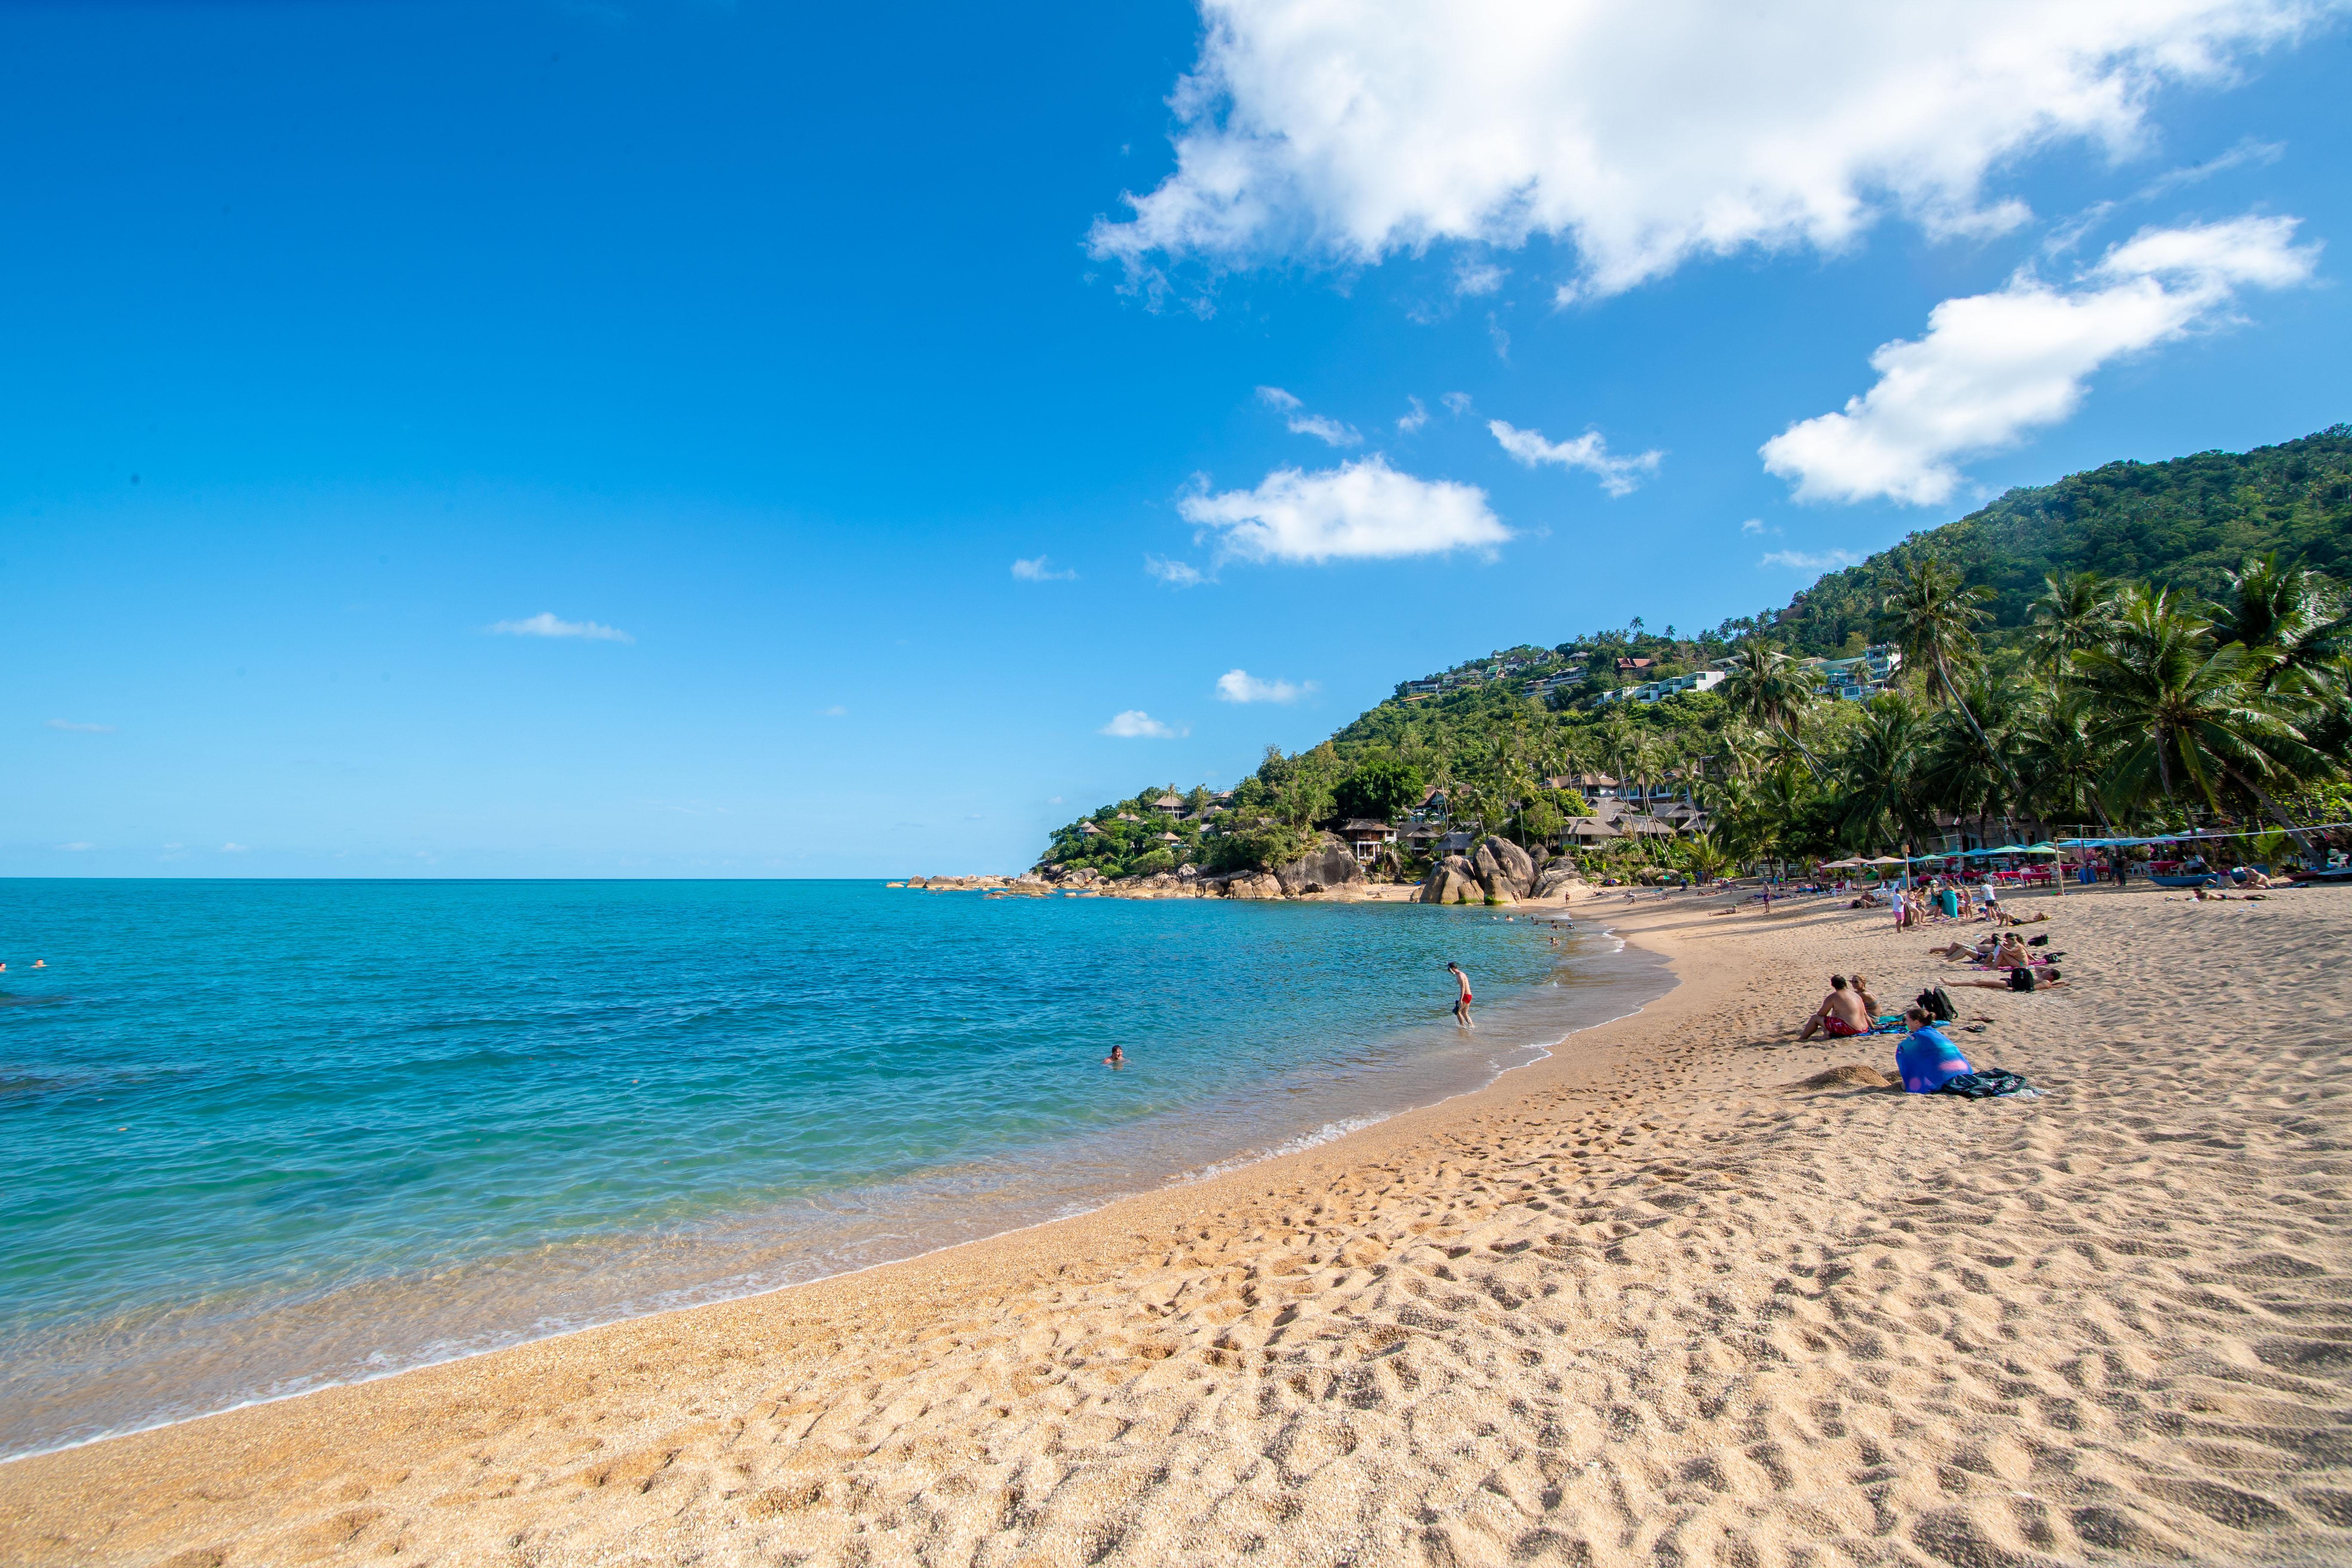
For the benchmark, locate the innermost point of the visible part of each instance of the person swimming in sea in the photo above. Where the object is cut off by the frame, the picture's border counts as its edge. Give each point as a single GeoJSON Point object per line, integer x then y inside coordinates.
{"type": "Point", "coordinates": [1118, 1058]}
{"type": "Point", "coordinates": [1461, 1003]}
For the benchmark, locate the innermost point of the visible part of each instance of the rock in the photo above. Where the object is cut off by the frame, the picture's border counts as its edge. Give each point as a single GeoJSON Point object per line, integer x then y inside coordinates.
{"type": "Point", "coordinates": [1254, 885]}
{"type": "Point", "coordinates": [1512, 861]}
{"type": "Point", "coordinates": [1331, 864]}
{"type": "Point", "coordinates": [1452, 881]}
{"type": "Point", "coordinates": [1559, 880]}
{"type": "Point", "coordinates": [1494, 874]}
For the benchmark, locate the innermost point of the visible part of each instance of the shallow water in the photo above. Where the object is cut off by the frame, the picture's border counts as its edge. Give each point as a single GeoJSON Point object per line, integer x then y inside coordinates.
{"type": "Point", "coordinates": [265, 1136]}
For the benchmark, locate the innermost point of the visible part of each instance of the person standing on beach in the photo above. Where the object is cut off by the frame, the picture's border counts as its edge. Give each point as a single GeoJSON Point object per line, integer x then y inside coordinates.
{"type": "Point", "coordinates": [1461, 1003]}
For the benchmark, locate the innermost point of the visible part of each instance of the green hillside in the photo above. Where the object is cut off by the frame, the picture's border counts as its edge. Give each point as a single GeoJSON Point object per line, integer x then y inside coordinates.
{"type": "Point", "coordinates": [2180, 523]}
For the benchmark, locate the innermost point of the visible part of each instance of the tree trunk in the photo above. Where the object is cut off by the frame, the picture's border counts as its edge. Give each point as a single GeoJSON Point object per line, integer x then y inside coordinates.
{"type": "Point", "coordinates": [2251, 787]}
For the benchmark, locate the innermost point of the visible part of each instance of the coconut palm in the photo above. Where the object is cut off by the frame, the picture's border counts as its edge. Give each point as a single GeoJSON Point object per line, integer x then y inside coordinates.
{"type": "Point", "coordinates": [2294, 618]}
{"type": "Point", "coordinates": [1879, 801]}
{"type": "Point", "coordinates": [2185, 717]}
{"type": "Point", "coordinates": [2066, 768]}
{"type": "Point", "coordinates": [2072, 612]}
{"type": "Point", "coordinates": [1771, 690]}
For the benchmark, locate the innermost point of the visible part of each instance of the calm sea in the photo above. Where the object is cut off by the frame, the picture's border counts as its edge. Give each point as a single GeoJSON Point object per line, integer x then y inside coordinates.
{"type": "Point", "coordinates": [266, 1136]}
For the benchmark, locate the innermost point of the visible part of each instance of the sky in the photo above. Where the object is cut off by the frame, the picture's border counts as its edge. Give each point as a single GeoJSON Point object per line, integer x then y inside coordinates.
{"type": "Point", "coordinates": [698, 440]}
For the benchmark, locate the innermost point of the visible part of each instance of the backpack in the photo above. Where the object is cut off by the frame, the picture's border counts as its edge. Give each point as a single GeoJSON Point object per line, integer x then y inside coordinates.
{"type": "Point", "coordinates": [1938, 1005]}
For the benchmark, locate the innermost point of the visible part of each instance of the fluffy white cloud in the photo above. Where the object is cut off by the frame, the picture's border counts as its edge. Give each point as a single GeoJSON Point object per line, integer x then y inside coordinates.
{"type": "Point", "coordinates": [1799, 560]}
{"type": "Point", "coordinates": [1346, 130]}
{"type": "Point", "coordinates": [1413, 418]}
{"type": "Point", "coordinates": [1136, 724]}
{"type": "Point", "coordinates": [545, 624]}
{"type": "Point", "coordinates": [1241, 686]}
{"type": "Point", "coordinates": [1175, 573]}
{"type": "Point", "coordinates": [81, 729]}
{"type": "Point", "coordinates": [1994, 366]}
{"type": "Point", "coordinates": [1331, 432]}
{"type": "Point", "coordinates": [1034, 570]}
{"type": "Point", "coordinates": [1359, 509]}
{"type": "Point", "coordinates": [1618, 476]}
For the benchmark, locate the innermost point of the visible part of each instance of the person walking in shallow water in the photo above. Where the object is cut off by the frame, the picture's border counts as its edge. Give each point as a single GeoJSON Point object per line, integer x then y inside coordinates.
{"type": "Point", "coordinates": [1461, 1003]}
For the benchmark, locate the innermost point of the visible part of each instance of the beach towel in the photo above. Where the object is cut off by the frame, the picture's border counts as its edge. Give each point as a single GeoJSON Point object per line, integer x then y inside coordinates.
{"type": "Point", "coordinates": [1985, 1085]}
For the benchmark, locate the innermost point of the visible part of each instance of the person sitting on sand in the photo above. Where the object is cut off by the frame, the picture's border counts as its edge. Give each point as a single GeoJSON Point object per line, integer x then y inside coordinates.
{"type": "Point", "coordinates": [1461, 1003]}
{"type": "Point", "coordinates": [2025, 978]}
{"type": "Point", "coordinates": [1926, 1060]}
{"type": "Point", "coordinates": [1860, 986]}
{"type": "Point", "coordinates": [1840, 1015]}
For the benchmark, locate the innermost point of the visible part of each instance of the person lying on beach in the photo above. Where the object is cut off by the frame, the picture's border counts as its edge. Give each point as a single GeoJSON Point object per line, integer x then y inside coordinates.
{"type": "Point", "coordinates": [1118, 1057]}
{"type": "Point", "coordinates": [1461, 1003]}
{"type": "Point", "coordinates": [1926, 1060]}
{"type": "Point", "coordinates": [1840, 1015]}
{"type": "Point", "coordinates": [1960, 952]}
{"type": "Point", "coordinates": [2025, 978]}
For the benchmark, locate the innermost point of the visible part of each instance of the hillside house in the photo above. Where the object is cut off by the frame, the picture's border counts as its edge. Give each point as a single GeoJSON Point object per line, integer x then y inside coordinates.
{"type": "Point", "coordinates": [1366, 838]}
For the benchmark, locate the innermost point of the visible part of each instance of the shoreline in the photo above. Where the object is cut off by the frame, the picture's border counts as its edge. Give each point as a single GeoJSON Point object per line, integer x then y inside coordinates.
{"type": "Point", "coordinates": [1657, 1291]}
{"type": "Point", "coordinates": [1307, 1137]}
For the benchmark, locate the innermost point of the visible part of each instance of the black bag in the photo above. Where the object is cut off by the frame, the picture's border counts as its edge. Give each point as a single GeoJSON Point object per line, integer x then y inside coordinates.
{"type": "Point", "coordinates": [2041, 940]}
{"type": "Point", "coordinates": [1937, 1003]}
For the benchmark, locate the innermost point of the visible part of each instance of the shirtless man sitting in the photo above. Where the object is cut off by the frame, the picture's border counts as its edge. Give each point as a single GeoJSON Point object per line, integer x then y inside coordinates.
{"type": "Point", "coordinates": [1840, 1015]}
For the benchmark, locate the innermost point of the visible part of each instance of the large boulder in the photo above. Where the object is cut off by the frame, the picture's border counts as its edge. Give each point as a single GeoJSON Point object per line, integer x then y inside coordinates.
{"type": "Point", "coordinates": [1559, 880]}
{"type": "Point", "coordinates": [1452, 880]}
{"type": "Point", "coordinates": [1329, 865]}
{"type": "Point", "coordinates": [1254, 885]}
{"type": "Point", "coordinates": [1512, 863]}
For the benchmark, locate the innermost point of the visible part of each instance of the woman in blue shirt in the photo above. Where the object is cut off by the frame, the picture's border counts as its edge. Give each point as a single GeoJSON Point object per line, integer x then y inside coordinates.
{"type": "Point", "coordinates": [1926, 1060]}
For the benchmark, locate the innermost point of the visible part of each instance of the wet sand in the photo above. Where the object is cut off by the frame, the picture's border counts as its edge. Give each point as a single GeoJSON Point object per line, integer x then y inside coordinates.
{"type": "Point", "coordinates": [1655, 1299]}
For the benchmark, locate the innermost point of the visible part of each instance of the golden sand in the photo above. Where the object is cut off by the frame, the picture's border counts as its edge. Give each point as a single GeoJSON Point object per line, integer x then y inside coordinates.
{"type": "Point", "coordinates": [1678, 1295]}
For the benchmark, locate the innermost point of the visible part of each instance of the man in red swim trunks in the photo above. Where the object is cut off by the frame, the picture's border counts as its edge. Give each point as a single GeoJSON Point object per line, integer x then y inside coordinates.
{"type": "Point", "coordinates": [1840, 1015]}
{"type": "Point", "coordinates": [1461, 1003]}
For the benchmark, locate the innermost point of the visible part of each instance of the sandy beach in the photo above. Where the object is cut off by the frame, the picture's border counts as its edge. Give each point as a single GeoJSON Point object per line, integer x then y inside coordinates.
{"type": "Point", "coordinates": [1673, 1296]}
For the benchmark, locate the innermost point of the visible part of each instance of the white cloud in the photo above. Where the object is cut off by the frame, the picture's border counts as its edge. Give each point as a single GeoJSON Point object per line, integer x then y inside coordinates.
{"type": "Point", "coordinates": [233, 848]}
{"type": "Point", "coordinates": [1034, 570]}
{"type": "Point", "coordinates": [81, 729]}
{"type": "Point", "coordinates": [545, 624]}
{"type": "Point", "coordinates": [1175, 573]}
{"type": "Point", "coordinates": [1753, 525]}
{"type": "Point", "coordinates": [1798, 560]}
{"type": "Point", "coordinates": [1413, 418]}
{"type": "Point", "coordinates": [1457, 401]}
{"type": "Point", "coordinates": [1992, 367]}
{"type": "Point", "coordinates": [1136, 724]}
{"type": "Point", "coordinates": [1331, 432]}
{"type": "Point", "coordinates": [1363, 510]}
{"type": "Point", "coordinates": [1649, 135]}
{"type": "Point", "coordinates": [1475, 277]}
{"type": "Point", "coordinates": [1619, 475]}
{"type": "Point", "coordinates": [1241, 686]}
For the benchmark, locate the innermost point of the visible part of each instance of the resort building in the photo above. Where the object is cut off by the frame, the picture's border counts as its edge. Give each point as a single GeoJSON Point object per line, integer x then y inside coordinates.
{"type": "Point", "coordinates": [1855, 680]}
{"type": "Point", "coordinates": [1653, 690]}
{"type": "Point", "coordinates": [1366, 838]}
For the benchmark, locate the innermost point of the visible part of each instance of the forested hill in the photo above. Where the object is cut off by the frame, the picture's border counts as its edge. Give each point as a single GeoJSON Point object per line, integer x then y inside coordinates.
{"type": "Point", "coordinates": [2181, 522]}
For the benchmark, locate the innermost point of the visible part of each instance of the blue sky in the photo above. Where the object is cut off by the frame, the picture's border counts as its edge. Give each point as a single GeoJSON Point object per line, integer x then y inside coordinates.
{"type": "Point", "coordinates": [748, 349]}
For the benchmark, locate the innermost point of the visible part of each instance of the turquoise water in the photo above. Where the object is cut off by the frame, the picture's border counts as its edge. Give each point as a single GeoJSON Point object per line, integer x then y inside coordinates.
{"type": "Point", "coordinates": [264, 1136]}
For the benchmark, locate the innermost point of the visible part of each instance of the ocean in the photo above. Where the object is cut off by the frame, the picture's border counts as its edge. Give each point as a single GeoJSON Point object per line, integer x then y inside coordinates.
{"type": "Point", "coordinates": [263, 1137]}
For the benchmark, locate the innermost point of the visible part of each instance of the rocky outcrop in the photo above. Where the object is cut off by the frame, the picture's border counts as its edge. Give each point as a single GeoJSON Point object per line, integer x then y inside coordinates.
{"type": "Point", "coordinates": [1254, 885]}
{"type": "Point", "coordinates": [1329, 865]}
{"type": "Point", "coordinates": [1452, 880]}
{"type": "Point", "coordinates": [1512, 866]}
{"type": "Point", "coordinates": [1559, 880]}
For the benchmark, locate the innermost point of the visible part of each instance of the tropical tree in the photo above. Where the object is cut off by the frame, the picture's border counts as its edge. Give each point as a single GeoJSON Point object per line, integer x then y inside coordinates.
{"type": "Point", "coordinates": [2187, 718]}
{"type": "Point", "coordinates": [2295, 619]}
{"type": "Point", "coordinates": [1880, 802]}
{"type": "Point", "coordinates": [2072, 612]}
{"type": "Point", "coordinates": [1771, 690]}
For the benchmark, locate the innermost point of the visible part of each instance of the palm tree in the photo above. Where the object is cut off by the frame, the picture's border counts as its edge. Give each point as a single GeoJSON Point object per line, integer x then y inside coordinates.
{"type": "Point", "coordinates": [2294, 618]}
{"type": "Point", "coordinates": [2066, 767]}
{"type": "Point", "coordinates": [2182, 715]}
{"type": "Point", "coordinates": [2072, 613]}
{"type": "Point", "coordinates": [1881, 802]}
{"type": "Point", "coordinates": [1932, 615]}
{"type": "Point", "coordinates": [1768, 688]}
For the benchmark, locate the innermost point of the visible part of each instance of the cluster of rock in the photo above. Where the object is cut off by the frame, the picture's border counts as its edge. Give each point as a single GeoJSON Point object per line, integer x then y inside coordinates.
{"type": "Point", "coordinates": [1498, 871]}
